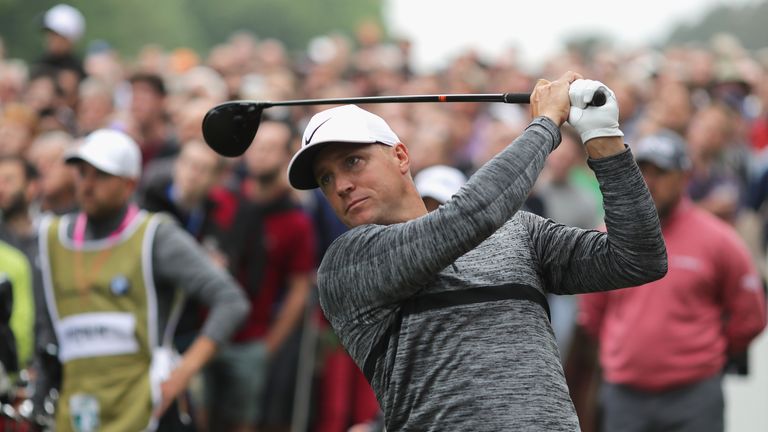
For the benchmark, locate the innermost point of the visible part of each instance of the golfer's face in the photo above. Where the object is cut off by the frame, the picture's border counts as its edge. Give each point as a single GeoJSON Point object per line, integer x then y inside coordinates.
{"type": "Point", "coordinates": [361, 182]}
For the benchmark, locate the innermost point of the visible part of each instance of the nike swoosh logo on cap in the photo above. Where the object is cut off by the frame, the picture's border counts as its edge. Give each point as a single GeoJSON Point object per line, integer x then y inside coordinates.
{"type": "Point", "coordinates": [307, 140]}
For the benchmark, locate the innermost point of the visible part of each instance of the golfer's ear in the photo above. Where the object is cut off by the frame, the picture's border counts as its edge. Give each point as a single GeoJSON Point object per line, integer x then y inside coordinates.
{"type": "Point", "coordinates": [404, 161]}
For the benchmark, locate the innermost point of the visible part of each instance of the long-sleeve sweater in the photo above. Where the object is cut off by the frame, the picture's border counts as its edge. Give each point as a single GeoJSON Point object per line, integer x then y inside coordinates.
{"type": "Point", "coordinates": [445, 313]}
{"type": "Point", "coordinates": [679, 329]}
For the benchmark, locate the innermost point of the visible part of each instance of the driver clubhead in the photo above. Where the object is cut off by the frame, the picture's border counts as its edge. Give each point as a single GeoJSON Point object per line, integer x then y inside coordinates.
{"type": "Point", "coordinates": [229, 128]}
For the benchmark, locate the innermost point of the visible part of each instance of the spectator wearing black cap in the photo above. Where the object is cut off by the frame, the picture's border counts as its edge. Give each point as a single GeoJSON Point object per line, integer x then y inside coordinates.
{"type": "Point", "coordinates": [664, 345]}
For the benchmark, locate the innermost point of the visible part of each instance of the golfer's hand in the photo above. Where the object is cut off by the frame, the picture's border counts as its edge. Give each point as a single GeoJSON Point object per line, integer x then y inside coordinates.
{"type": "Point", "coordinates": [550, 99]}
{"type": "Point", "coordinates": [593, 121]}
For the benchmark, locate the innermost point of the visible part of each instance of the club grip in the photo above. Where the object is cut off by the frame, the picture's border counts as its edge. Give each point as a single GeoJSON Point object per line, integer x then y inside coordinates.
{"type": "Point", "coordinates": [598, 99]}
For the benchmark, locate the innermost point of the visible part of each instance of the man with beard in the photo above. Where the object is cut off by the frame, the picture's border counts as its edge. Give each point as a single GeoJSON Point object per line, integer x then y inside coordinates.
{"type": "Point", "coordinates": [18, 189]}
{"type": "Point", "coordinates": [115, 280]}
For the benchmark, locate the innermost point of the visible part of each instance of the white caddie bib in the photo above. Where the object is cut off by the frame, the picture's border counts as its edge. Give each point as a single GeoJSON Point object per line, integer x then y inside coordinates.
{"type": "Point", "coordinates": [96, 334]}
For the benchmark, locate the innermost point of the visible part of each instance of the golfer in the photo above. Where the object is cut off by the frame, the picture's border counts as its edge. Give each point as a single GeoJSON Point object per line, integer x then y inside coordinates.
{"type": "Point", "coordinates": [445, 312]}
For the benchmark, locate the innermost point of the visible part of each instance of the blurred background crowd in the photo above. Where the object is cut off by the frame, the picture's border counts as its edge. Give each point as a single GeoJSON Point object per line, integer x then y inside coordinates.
{"type": "Point", "coordinates": [271, 238]}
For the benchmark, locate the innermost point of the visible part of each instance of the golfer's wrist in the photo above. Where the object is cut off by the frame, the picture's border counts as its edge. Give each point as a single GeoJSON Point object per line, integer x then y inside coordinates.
{"type": "Point", "coordinates": [602, 147]}
{"type": "Point", "coordinates": [555, 117]}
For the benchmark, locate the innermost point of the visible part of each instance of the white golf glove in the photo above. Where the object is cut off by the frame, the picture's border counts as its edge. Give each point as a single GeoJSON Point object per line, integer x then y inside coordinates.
{"type": "Point", "coordinates": [593, 121]}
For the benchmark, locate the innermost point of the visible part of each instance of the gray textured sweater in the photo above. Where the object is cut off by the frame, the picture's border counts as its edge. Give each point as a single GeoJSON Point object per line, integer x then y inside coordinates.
{"type": "Point", "coordinates": [445, 314]}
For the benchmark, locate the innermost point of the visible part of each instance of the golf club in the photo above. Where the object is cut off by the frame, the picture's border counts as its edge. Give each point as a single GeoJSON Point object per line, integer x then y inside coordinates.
{"type": "Point", "coordinates": [229, 128]}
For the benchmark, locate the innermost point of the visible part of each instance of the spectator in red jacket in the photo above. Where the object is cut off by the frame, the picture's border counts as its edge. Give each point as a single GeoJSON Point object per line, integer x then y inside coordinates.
{"type": "Point", "coordinates": [664, 345]}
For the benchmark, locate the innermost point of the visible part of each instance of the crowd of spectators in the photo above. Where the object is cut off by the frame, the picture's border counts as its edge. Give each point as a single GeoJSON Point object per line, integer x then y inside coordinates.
{"type": "Point", "coordinates": [714, 94]}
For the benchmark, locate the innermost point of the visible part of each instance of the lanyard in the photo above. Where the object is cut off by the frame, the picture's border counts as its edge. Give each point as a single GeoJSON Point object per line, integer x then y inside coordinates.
{"type": "Point", "coordinates": [78, 236]}
{"type": "Point", "coordinates": [79, 233]}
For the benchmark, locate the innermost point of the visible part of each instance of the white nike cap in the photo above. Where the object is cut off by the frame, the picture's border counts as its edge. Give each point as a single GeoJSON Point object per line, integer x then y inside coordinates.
{"type": "Point", "coordinates": [111, 151]}
{"type": "Point", "coordinates": [343, 124]}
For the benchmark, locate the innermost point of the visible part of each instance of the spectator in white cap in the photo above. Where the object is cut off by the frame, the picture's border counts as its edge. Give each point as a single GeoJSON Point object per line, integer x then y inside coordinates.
{"type": "Point", "coordinates": [115, 277]}
{"type": "Point", "coordinates": [438, 183]}
{"type": "Point", "coordinates": [64, 26]}
{"type": "Point", "coordinates": [445, 312]}
{"type": "Point", "coordinates": [65, 21]}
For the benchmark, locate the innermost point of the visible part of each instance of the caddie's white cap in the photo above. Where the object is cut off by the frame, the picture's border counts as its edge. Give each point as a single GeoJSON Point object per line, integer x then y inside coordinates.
{"type": "Point", "coordinates": [65, 20]}
{"type": "Point", "coordinates": [440, 182]}
{"type": "Point", "coordinates": [110, 151]}
{"type": "Point", "coordinates": [344, 124]}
